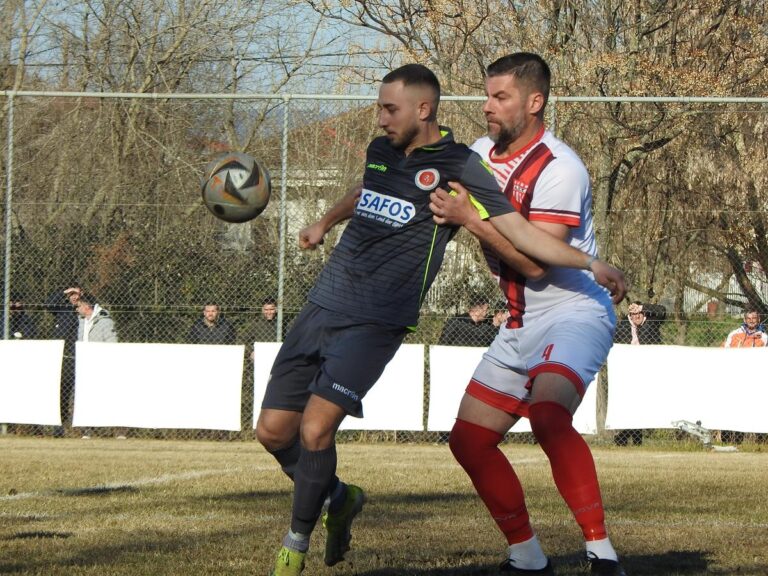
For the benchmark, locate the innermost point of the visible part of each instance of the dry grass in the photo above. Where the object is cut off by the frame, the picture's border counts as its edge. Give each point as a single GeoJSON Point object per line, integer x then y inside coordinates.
{"type": "Point", "coordinates": [139, 507]}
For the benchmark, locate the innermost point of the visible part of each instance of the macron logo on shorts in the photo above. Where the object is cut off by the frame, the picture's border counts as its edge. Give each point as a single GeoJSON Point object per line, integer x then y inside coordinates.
{"type": "Point", "coordinates": [394, 212]}
{"type": "Point", "coordinates": [346, 391]}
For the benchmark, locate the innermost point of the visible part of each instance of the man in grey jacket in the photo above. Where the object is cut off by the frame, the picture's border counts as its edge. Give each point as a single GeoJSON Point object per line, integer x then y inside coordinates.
{"type": "Point", "coordinates": [96, 325]}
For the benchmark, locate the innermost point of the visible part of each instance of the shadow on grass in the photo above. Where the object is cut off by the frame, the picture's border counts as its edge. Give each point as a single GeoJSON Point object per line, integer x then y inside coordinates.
{"type": "Point", "coordinates": [38, 534]}
{"type": "Point", "coordinates": [104, 558]}
{"type": "Point", "coordinates": [247, 496]}
{"type": "Point", "coordinates": [97, 491]}
{"type": "Point", "coordinates": [374, 498]}
{"type": "Point", "coordinates": [672, 563]}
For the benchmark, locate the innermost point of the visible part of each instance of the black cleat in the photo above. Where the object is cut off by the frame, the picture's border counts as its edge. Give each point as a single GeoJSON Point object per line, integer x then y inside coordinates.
{"type": "Point", "coordinates": [603, 567]}
{"type": "Point", "coordinates": [508, 567]}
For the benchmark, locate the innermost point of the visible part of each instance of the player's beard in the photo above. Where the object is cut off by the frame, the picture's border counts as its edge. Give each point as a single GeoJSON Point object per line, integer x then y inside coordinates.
{"type": "Point", "coordinates": [405, 139]}
{"type": "Point", "coordinates": [507, 134]}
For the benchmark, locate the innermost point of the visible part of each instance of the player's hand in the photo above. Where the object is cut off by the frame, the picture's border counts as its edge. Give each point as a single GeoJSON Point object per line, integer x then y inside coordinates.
{"type": "Point", "coordinates": [311, 236]}
{"type": "Point", "coordinates": [453, 209]}
{"type": "Point", "coordinates": [356, 191]}
{"type": "Point", "coordinates": [610, 277]}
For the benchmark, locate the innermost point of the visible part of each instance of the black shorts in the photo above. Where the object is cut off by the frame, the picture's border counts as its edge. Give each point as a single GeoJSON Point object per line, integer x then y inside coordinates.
{"type": "Point", "coordinates": [333, 356]}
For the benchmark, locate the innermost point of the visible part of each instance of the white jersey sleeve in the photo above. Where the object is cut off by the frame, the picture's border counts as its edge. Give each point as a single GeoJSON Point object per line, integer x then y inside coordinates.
{"type": "Point", "coordinates": [561, 192]}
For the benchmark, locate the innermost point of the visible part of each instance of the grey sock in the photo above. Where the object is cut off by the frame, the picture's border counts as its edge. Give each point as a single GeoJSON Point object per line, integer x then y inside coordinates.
{"type": "Point", "coordinates": [296, 542]}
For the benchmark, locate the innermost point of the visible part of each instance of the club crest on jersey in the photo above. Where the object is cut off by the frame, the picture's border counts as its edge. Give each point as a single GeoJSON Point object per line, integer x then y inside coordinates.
{"type": "Point", "coordinates": [427, 179]}
{"type": "Point", "coordinates": [519, 190]}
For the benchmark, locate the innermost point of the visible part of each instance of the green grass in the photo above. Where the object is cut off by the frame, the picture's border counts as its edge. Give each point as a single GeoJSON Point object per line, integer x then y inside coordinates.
{"type": "Point", "coordinates": [149, 507]}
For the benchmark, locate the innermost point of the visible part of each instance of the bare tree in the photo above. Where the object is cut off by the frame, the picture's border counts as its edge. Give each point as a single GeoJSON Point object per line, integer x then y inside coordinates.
{"type": "Point", "coordinates": [654, 202]}
{"type": "Point", "coordinates": [108, 189]}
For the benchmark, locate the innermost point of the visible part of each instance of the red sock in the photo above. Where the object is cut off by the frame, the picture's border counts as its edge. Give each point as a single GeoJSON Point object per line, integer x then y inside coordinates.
{"type": "Point", "coordinates": [476, 449]}
{"type": "Point", "coordinates": [572, 466]}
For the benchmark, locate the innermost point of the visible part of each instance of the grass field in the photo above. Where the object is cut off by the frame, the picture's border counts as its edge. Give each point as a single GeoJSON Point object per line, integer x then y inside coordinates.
{"type": "Point", "coordinates": [147, 507]}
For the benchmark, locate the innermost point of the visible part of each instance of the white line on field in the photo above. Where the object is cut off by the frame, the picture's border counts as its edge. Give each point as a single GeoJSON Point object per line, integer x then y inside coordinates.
{"type": "Point", "coordinates": [152, 480]}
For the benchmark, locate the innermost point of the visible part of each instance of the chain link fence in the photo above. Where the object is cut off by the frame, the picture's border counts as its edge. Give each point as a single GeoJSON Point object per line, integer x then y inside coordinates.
{"type": "Point", "coordinates": [103, 192]}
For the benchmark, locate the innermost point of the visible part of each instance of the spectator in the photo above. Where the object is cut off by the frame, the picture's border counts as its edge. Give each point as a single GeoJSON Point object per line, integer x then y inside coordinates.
{"type": "Point", "coordinates": [21, 326]}
{"type": "Point", "coordinates": [470, 329]}
{"type": "Point", "coordinates": [96, 325]}
{"type": "Point", "coordinates": [212, 328]}
{"type": "Point", "coordinates": [264, 328]}
{"type": "Point", "coordinates": [63, 305]}
{"type": "Point", "coordinates": [751, 334]}
{"type": "Point", "coordinates": [641, 326]}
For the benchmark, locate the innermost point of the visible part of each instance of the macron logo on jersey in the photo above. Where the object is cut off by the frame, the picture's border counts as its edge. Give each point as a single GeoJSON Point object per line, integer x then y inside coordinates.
{"type": "Point", "coordinates": [388, 210]}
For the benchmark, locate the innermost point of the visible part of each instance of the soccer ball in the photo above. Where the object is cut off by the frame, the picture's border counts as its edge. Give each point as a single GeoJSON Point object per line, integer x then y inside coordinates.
{"type": "Point", "coordinates": [236, 187]}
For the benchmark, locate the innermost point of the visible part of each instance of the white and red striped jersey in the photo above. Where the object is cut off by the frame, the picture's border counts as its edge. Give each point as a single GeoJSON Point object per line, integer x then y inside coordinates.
{"type": "Point", "coordinates": [546, 182]}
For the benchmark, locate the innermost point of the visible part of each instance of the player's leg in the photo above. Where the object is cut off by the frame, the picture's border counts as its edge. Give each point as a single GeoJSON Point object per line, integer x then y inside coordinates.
{"type": "Point", "coordinates": [310, 461]}
{"type": "Point", "coordinates": [316, 482]}
{"type": "Point", "coordinates": [280, 421]}
{"type": "Point", "coordinates": [554, 400]}
{"type": "Point", "coordinates": [354, 356]}
{"type": "Point", "coordinates": [278, 432]}
{"type": "Point", "coordinates": [295, 368]}
{"type": "Point", "coordinates": [354, 361]}
{"type": "Point", "coordinates": [315, 470]}
{"type": "Point", "coordinates": [474, 442]}
{"type": "Point", "coordinates": [571, 353]}
{"type": "Point", "coordinates": [494, 400]}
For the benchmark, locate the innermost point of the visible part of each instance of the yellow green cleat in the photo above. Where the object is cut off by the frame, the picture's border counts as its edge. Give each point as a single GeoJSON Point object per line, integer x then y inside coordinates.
{"type": "Point", "coordinates": [288, 563]}
{"type": "Point", "coordinates": [339, 525]}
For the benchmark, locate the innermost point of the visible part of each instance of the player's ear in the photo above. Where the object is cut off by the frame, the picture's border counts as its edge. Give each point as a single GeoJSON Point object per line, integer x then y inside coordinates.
{"type": "Point", "coordinates": [535, 103]}
{"type": "Point", "coordinates": [425, 110]}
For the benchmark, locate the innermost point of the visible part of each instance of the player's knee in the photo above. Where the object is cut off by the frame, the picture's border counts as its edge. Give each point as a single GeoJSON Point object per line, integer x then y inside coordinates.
{"type": "Point", "coordinates": [457, 441]}
{"type": "Point", "coordinates": [316, 434]}
{"type": "Point", "coordinates": [469, 443]}
{"type": "Point", "coordinates": [266, 437]}
{"type": "Point", "coordinates": [272, 436]}
{"type": "Point", "coordinates": [549, 420]}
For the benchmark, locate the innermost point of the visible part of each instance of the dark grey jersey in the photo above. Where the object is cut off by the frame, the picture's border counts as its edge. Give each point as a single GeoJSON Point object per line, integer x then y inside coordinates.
{"type": "Point", "coordinates": [391, 250]}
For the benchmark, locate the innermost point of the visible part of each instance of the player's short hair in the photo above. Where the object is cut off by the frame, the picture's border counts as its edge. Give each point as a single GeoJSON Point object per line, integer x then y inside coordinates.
{"type": "Point", "coordinates": [529, 68]}
{"type": "Point", "coordinates": [416, 75]}
{"type": "Point", "coordinates": [269, 300]}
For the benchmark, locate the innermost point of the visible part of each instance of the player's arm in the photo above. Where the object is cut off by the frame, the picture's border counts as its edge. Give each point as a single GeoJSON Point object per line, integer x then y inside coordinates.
{"type": "Point", "coordinates": [313, 234]}
{"type": "Point", "coordinates": [458, 210]}
{"type": "Point", "coordinates": [529, 239]}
